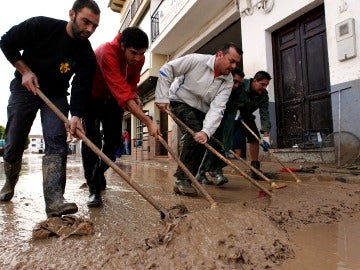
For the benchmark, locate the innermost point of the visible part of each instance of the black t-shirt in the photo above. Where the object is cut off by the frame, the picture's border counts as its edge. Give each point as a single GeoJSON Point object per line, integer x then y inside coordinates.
{"type": "Point", "coordinates": [44, 45]}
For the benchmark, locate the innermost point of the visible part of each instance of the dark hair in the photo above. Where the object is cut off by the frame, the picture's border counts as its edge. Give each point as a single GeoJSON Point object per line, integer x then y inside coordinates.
{"type": "Point", "coordinates": [238, 71]}
{"type": "Point", "coordinates": [134, 37]}
{"type": "Point", "coordinates": [262, 75]}
{"type": "Point", "coordinates": [91, 4]}
{"type": "Point", "coordinates": [228, 45]}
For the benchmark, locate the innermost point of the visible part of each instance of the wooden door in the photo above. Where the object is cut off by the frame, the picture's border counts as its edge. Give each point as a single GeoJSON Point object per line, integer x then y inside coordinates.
{"type": "Point", "coordinates": [301, 73]}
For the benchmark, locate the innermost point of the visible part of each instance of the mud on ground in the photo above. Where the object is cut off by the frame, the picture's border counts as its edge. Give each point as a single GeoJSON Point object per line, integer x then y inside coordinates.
{"type": "Point", "coordinates": [245, 231]}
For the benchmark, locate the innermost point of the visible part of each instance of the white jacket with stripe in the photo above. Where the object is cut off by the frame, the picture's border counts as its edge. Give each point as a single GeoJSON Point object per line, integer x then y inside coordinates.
{"type": "Point", "coordinates": [190, 79]}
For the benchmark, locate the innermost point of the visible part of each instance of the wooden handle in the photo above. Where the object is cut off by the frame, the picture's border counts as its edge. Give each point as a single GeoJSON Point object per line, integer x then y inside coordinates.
{"type": "Point", "coordinates": [103, 157]}
{"type": "Point", "coordinates": [208, 146]}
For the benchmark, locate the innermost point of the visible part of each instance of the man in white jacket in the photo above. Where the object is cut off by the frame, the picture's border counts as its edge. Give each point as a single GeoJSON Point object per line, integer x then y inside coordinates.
{"type": "Point", "coordinates": [196, 87]}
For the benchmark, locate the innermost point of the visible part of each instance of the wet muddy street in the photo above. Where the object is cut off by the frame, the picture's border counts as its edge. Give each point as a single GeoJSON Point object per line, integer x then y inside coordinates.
{"type": "Point", "coordinates": [309, 225]}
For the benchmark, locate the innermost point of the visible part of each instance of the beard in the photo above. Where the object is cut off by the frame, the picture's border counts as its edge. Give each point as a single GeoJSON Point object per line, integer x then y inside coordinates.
{"type": "Point", "coordinates": [77, 32]}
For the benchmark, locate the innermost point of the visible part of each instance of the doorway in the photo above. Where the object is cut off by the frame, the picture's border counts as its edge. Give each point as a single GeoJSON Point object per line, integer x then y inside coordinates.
{"type": "Point", "coordinates": [301, 72]}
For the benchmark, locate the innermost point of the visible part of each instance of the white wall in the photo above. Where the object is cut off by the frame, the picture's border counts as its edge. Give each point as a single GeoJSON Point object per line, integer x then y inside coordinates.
{"type": "Point", "coordinates": [336, 12]}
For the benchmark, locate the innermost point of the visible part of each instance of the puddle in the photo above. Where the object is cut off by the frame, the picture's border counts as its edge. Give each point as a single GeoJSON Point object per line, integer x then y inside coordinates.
{"type": "Point", "coordinates": [327, 247]}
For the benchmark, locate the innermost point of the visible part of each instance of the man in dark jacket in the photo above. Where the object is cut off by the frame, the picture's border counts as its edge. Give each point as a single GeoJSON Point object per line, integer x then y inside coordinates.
{"type": "Point", "coordinates": [253, 96]}
{"type": "Point", "coordinates": [53, 52]}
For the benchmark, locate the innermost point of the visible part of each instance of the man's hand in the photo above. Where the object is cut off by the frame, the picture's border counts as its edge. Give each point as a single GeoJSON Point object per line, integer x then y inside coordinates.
{"type": "Point", "coordinates": [73, 125]}
{"type": "Point", "coordinates": [201, 137]}
{"type": "Point", "coordinates": [29, 79]}
{"type": "Point", "coordinates": [153, 129]}
{"type": "Point", "coordinates": [163, 106]}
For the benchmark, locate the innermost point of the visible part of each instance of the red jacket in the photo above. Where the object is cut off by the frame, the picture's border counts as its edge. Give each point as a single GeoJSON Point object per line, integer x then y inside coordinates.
{"type": "Point", "coordinates": [114, 77]}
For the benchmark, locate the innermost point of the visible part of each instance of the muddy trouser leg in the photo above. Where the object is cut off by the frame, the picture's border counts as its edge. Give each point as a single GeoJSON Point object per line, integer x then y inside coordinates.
{"type": "Point", "coordinates": [217, 165]}
{"type": "Point", "coordinates": [191, 152]}
{"type": "Point", "coordinates": [54, 160]}
{"type": "Point", "coordinates": [91, 160]}
{"type": "Point", "coordinates": [21, 115]}
{"type": "Point", "coordinates": [205, 166]}
{"type": "Point", "coordinates": [112, 133]}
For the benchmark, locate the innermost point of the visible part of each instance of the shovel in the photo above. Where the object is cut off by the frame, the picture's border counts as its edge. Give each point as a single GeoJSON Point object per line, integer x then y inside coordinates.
{"type": "Point", "coordinates": [273, 185]}
{"type": "Point", "coordinates": [271, 153]}
{"type": "Point", "coordinates": [208, 146]}
{"type": "Point", "coordinates": [163, 212]}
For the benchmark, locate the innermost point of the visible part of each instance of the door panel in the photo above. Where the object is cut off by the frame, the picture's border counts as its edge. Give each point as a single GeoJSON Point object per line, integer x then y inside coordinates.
{"type": "Point", "coordinates": [302, 88]}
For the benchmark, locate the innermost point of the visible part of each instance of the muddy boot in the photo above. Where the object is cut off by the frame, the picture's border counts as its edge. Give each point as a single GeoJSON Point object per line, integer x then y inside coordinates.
{"type": "Point", "coordinates": [220, 179]}
{"type": "Point", "coordinates": [184, 187]}
{"type": "Point", "coordinates": [12, 172]}
{"type": "Point", "coordinates": [94, 200]}
{"type": "Point", "coordinates": [54, 180]}
{"type": "Point", "coordinates": [256, 165]}
{"type": "Point", "coordinates": [201, 177]}
{"type": "Point", "coordinates": [95, 187]}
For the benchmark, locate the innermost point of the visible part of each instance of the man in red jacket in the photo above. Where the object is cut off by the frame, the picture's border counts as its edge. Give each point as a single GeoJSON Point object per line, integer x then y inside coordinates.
{"type": "Point", "coordinates": [114, 90]}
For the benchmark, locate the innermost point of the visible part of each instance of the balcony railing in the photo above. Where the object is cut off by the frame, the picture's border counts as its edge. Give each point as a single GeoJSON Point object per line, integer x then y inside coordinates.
{"type": "Point", "coordinates": [155, 29]}
{"type": "Point", "coordinates": [135, 4]}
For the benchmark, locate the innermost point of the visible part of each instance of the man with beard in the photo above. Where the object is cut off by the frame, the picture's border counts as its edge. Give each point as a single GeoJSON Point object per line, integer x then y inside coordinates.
{"type": "Point", "coordinates": [53, 52]}
{"type": "Point", "coordinates": [114, 90]}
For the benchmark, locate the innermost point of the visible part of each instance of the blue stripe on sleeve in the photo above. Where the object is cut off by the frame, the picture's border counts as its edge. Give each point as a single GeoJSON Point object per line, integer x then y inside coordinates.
{"type": "Point", "coordinates": [163, 73]}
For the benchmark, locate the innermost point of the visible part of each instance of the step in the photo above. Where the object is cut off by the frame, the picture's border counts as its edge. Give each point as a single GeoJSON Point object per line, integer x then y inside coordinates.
{"type": "Point", "coordinates": [312, 155]}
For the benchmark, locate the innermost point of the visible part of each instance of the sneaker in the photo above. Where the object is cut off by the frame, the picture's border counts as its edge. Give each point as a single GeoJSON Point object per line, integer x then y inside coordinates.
{"type": "Point", "coordinates": [94, 200]}
{"type": "Point", "coordinates": [183, 187]}
{"type": "Point", "coordinates": [220, 179]}
{"type": "Point", "coordinates": [202, 179]}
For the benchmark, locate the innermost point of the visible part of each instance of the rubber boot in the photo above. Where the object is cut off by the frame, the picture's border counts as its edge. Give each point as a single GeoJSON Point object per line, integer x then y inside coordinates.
{"type": "Point", "coordinates": [256, 165]}
{"type": "Point", "coordinates": [95, 187]}
{"type": "Point", "coordinates": [220, 179]}
{"type": "Point", "coordinates": [184, 187]}
{"type": "Point", "coordinates": [54, 181]}
{"type": "Point", "coordinates": [12, 172]}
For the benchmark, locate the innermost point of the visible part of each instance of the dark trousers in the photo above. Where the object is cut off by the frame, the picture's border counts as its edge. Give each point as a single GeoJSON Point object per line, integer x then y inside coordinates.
{"type": "Point", "coordinates": [22, 109]}
{"type": "Point", "coordinates": [211, 162]}
{"type": "Point", "coordinates": [250, 121]}
{"type": "Point", "coordinates": [103, 126]}
{"type": "Point", "coordinates": [191, 152]}
{"type": "Point", "coordinates": [239, 141]}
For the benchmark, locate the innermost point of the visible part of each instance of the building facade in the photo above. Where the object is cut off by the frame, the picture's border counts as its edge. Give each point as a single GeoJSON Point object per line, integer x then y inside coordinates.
{"type": "Point", "coordinates": [37, 144]}
{"type": "Point", "coordinates": [310, 48]}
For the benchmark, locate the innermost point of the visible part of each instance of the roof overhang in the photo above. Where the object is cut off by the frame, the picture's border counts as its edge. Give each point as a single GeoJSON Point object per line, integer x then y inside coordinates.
{"type": "Point", "coordinates": [116, 5]}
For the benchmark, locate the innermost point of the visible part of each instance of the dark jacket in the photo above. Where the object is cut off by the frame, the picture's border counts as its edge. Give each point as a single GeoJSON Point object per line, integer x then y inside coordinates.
{"type": "Point", "coordinates": [247, 101]}
{"type": "Point", "coordinates": [54, 57]}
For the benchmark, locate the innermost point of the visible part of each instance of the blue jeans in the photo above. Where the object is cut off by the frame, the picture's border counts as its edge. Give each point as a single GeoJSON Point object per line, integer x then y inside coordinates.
{"type": "Point", "coordinates": [22, 109]}
{"type": "Point", "coordinates": [127, 147]}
